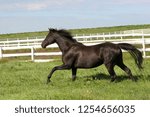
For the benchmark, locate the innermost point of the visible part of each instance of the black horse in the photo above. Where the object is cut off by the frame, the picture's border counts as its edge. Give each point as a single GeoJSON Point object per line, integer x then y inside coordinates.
{"type": "Point", "coordinates": [76, 55]}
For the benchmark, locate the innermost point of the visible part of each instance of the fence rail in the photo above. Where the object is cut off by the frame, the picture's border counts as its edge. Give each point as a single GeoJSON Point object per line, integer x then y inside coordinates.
{"type": "Point", "coordinates": [32, 44]}
{"type": "Point", "coordinates": [103, 37]}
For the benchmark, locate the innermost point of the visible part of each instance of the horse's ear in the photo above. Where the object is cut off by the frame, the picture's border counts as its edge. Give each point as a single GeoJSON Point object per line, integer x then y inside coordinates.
{"type": "Point", "coordinates": [52, 30]}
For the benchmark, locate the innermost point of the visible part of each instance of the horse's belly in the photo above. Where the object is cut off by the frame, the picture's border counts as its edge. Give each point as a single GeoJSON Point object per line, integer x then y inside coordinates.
{"type": "Point", "coordinates": [88, 63]}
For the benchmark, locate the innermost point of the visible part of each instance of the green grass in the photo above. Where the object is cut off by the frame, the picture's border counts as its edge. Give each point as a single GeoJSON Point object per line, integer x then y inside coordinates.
{"type": "Point", "coordinates": [27, 80]}
{"type": "Point", "coordinates": [77, 31]}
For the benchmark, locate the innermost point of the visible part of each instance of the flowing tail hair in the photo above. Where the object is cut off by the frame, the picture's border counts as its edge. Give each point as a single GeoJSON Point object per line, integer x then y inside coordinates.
{"type": "Point", "coordinates": [136, 54]}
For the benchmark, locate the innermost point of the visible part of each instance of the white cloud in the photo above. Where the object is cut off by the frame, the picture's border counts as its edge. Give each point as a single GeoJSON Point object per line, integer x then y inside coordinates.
{"type": "Point", "coordinates": [32, 6]}
{"type": "Point", "coordinates": [44, 4]}
{"type": "Point", "coordinates": [131, 1]}
{"type": "Point", "coordinates": [40, 4]}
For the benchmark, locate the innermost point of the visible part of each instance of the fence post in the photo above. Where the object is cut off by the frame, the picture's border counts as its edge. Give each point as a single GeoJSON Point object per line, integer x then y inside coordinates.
{"type": "Point", "coordinates": [1, 54]}
{"type": "Point", "coordinates": [7, 43]}
{"type": "Point", "coordinates": [90, 37]}
{"type": "Point", "coordinates": [104, 36]}
{"type": "Point", "coordinates": [109, 36]}
{"type": "Point", "coordinates": [143, 44]}
{"type": "Point", "coordinates": [115, 35]}
{"type": "Point", "coordinates": [27, 41]}
{"type": "Point", "coordinates": [32, 53]}
{"type": "Point", "coordinates": [18, 42]}
{"type": "Point", "coordinates": [133, 33]}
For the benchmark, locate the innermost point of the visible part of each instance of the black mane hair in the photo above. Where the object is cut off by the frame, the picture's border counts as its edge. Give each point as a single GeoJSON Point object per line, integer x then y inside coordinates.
{"type": "Point", "coordinates": [63, 33]}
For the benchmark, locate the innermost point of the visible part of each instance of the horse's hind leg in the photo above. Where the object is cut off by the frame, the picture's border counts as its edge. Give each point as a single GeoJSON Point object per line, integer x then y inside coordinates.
{"type": "Point", "coordinates": [110, 68]}
{"type": "Point", "coordinates": [126, 69]}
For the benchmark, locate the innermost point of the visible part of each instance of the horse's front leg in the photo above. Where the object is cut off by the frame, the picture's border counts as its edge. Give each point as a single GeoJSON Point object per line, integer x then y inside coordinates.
{"type": "Point", "coordinates": [74, 71]}
{"type": "Point", "coordinates": [62, 67]}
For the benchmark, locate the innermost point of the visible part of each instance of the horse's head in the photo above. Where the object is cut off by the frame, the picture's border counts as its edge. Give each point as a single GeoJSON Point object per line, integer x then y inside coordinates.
{"type": "Point", "coordinates": [50, 38]}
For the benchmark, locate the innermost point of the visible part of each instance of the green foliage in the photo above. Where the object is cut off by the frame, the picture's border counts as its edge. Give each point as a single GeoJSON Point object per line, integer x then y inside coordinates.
{"type": "Point", "coordinates": [23, 35]}
{"type": "Point", "coordinates": [27, 80]}
{"type": "Point", "coordinates": [109, 29]}
{"type": "Point", "coordinates": [77, 31]}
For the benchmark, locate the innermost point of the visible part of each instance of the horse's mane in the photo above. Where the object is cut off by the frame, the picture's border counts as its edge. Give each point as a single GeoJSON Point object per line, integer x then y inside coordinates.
{"type": "Point", "coordinates": [64, 33]}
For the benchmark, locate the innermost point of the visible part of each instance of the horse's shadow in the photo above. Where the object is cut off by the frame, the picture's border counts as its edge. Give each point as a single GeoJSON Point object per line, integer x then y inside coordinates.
{"type": "Point", "coordinates": [119, 78]}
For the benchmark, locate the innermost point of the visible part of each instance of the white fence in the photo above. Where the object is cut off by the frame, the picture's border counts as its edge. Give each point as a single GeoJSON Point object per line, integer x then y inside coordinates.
{"type": "Point", "coordinates": [32, 44]}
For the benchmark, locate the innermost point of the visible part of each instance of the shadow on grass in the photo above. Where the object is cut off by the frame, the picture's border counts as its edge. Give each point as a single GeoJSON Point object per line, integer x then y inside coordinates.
{"type": "Point", "coordinates": [107, 77]}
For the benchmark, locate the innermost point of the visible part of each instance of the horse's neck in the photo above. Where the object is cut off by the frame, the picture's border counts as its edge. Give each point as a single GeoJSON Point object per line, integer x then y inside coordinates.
{"type": "Point", "coordinates": [63, 44]}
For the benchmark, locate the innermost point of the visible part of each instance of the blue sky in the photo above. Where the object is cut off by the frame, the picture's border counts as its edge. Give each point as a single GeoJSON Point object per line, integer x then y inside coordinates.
{"type": "Point", "coordinates": [39, 15]}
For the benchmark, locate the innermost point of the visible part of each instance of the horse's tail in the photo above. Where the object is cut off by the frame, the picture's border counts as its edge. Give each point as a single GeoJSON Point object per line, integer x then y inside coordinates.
{"type": "Point", "coordinates": [136, 54]}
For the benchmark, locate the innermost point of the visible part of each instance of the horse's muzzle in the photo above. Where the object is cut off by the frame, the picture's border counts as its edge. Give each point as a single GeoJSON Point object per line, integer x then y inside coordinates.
{"type": "Point", "coordinates": [43, 45]}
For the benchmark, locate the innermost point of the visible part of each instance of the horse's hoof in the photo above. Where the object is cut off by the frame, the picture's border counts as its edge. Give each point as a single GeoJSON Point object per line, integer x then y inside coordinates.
{"type": "Point", "coordinates": [112, 80]}
{"type": "Point", "coordinates": [48, 81]}
{"type": "Point", "coordinates": [134, 79]}
{"type": "Point", "coordinates": [73, 79]}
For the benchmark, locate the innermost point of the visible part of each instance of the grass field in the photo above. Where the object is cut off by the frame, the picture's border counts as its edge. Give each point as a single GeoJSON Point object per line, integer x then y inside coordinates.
{"type": "Point", "coordinates": [27, 80]}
